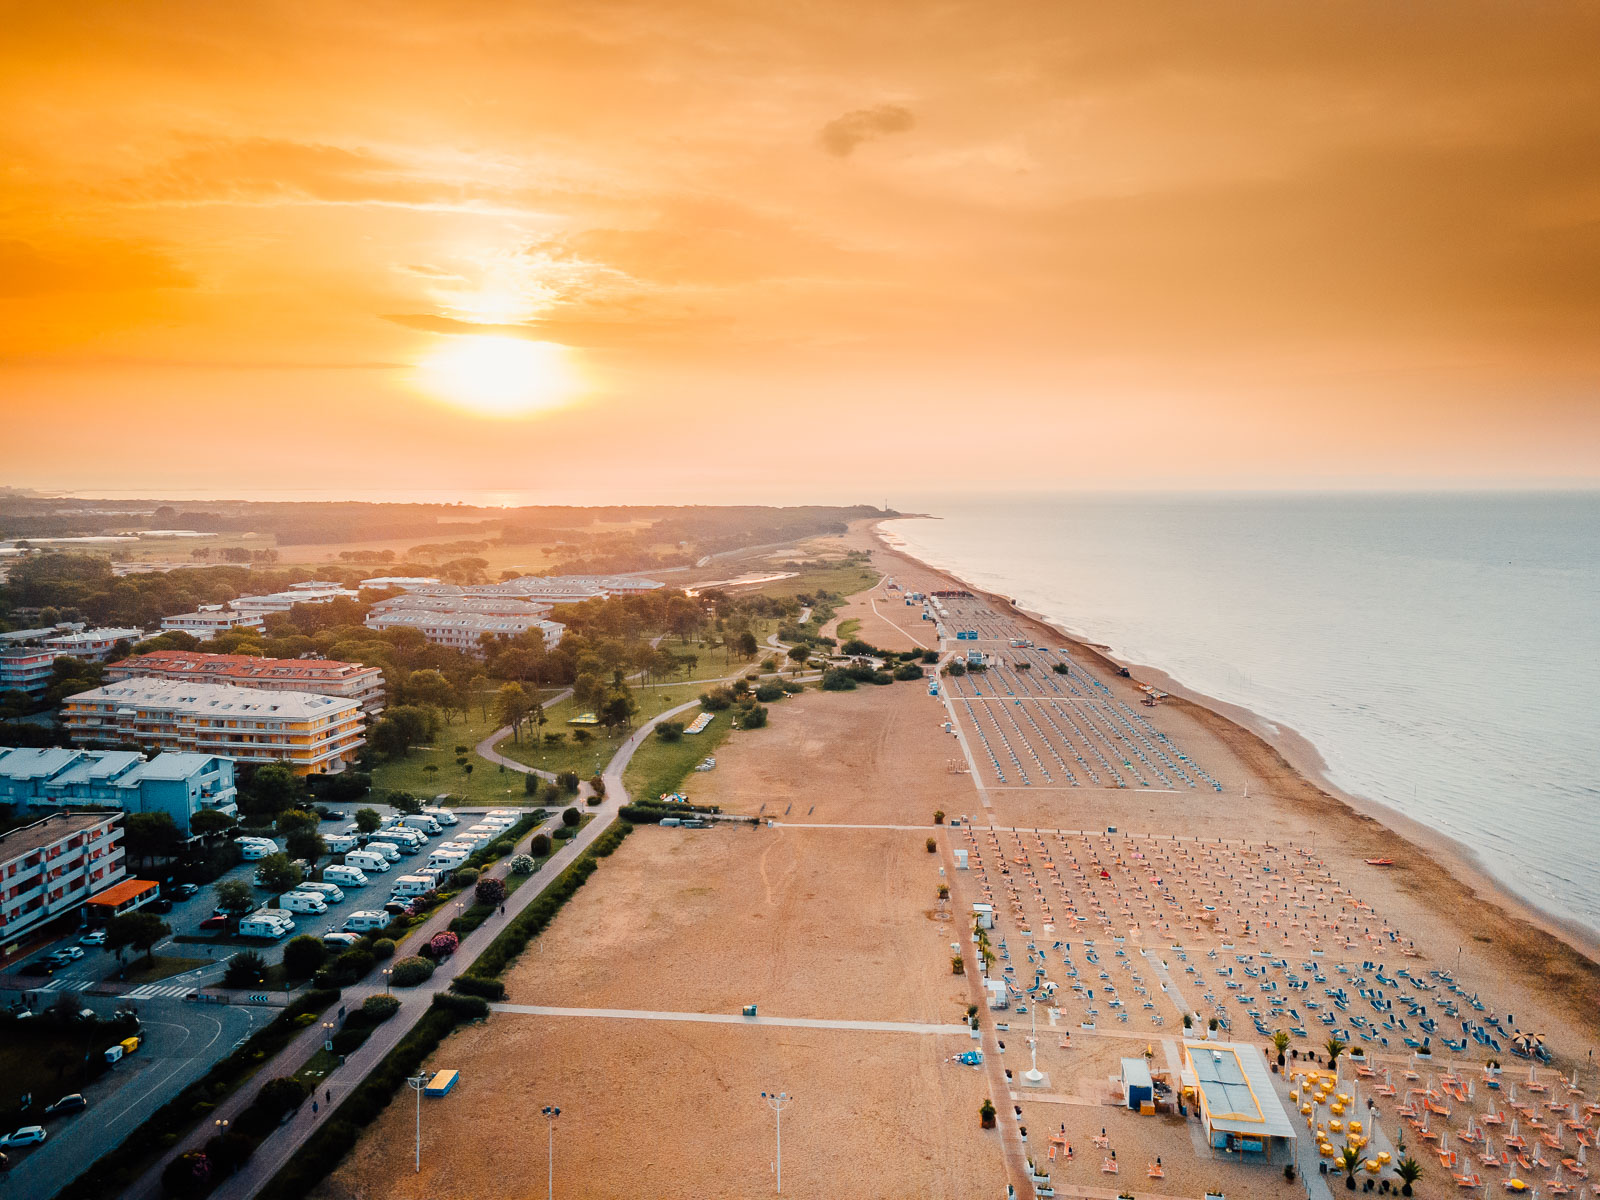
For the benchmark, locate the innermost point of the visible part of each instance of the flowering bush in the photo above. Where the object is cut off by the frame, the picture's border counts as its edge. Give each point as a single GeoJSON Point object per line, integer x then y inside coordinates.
{"type": "Point", "coordinates": [442, 945]}
{"type": "Point", "coordinates": [522, 865]}
{"type": "Point", "coordinates": [490, 891]}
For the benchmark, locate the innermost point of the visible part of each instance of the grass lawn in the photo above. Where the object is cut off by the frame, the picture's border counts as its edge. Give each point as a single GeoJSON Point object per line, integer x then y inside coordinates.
{"type": "Point", "coordinates": [844, 578]}
{"type": "Point", "coordinates": [487, 784]}
{"type": "Point", "coordinates": [317, 1068]}
{"type": "Point", "coordinates": [658, 766]}
{"type": "Point", "coordinates": [588, 758]}
{"type": "Point", "coordinates": [144, 970]}
{"type": "Point", "coordinates": [847, 629]}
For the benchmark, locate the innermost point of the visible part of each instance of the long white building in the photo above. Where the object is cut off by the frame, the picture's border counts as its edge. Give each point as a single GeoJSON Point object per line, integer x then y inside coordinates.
{"type": "Point", "coordinates": [465, 630]}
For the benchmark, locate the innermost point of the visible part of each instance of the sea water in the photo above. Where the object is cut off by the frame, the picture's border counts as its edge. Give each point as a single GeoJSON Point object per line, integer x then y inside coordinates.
{"type": "Point", "coordinates": [1442, 652]}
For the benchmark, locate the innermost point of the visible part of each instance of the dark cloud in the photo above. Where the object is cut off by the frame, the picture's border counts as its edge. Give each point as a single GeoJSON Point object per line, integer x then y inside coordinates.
{"type": "Point", "coordinates": [843, 134]}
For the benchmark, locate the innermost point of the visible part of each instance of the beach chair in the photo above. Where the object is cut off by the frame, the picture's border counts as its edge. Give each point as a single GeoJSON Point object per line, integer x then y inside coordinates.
{"type": "Point", "coordinates": [1108, 1166]}
{"type": "Point", "coordinates": [1154, 1171]}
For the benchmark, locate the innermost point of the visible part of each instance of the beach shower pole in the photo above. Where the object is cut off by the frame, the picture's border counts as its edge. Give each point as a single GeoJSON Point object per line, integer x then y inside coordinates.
{"type": "Point", "coordinates": [418, 1082]}
{"type": "Point", "coordinates": [776, 1101]}
{"type": "Point", "coordinates": [550, 1114]}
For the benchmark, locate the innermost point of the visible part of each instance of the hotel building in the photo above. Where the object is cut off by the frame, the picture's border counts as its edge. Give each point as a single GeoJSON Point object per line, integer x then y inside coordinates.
{"type": "Point", "coordinates": [175, 783]}
{"type": "Point", "coordinates": [52, 866]}
{"type": "Point", "coordinates": [307, 733]}
{"type": "Point", "coordinates": [319, 676]}
{"type": "Point", "coordinates": [209, 621]}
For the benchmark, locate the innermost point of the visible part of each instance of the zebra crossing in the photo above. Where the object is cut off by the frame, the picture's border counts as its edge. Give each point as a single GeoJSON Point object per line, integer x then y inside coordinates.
{"type": "Point", "coordinates": [65, 985]}
{"type": "Point", "coordinates": [152, 991]}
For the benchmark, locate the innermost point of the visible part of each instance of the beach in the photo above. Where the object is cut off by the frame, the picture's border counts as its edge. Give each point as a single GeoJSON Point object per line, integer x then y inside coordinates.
{"type": "Point", "coordinates": [1143, 863]}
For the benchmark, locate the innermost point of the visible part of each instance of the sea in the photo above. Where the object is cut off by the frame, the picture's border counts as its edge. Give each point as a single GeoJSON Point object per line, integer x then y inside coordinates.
{"type": "Point", "coordinates": [1441, 651]}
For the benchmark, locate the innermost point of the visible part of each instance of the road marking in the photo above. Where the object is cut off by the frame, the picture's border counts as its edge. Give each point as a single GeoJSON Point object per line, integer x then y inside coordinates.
{"type": "Point", "coordinates": [66, 985]}
{"type": "Point", "coordinates": [630, 1014]}
{"type": "Point", "coordinates": [149, 991]}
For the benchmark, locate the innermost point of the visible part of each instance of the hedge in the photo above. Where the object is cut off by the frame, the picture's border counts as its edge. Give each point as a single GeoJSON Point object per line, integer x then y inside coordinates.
{"type": "Point", "coordinates": [472, 985]}
{"type": "Point", "coordinates": [324, 1149]}
{"type": "Point", "coordinates": [470, 919]}
{"type": "Point", "coordinates": [408, 972]}
{"type": "Point", "coordinates": [165, 1127]}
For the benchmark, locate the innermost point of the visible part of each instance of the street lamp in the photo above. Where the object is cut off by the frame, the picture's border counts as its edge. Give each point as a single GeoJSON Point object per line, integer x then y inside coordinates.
{"type": "Point", "coordinates": [418, 1082]}
{"type": "Point", "coordinates": [222, 1125]}
{"type": "Point", "coordinates": [550, 1114]}
{"type": "Point", "coordinates": [387, 971]}
{"type": "Point", "coordinates": [327, 1035]}
{"type": "Point", "coordinates": [776, 1101]}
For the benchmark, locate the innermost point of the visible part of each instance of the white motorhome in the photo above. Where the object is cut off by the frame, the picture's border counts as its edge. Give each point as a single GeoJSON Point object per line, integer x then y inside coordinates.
{"type": "Point", "coordinates": [442, 815]}
{"type": "Point", "coordinates": [340, 843]}
{"type": "Point", "coordinates": [422, 823]}
{"type": "Point", "coordinates": [303, 902]}
{"type": "Point", "coordinates": [446, 860]}
{"type": "Point", "coordinates": [349, 875]}
{"type": "Point", "coordinates": [330, 892]}
{"type": "Point", "coordinates": [388, 851]}
{"type": "Point", "coordinates": [411, 885]}
{"type": "Point", "coordinates": [255, 851]}
{"type": "Point", "coordinates": [366, 922]}
{"type": "Point", "coordinates": [364, 860]}
{"type": "Point", "coordinates": [267, 923]}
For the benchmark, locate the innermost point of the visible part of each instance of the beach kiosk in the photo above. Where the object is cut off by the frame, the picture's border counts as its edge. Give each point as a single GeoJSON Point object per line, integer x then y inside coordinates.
{"type": "Point", "coordinates": [983, 916]}
{"type": "Point", "coordinates": [1238, 1106]}
{"type": "Point", "coordinates": [961, 857]}
{"type": "Point", "coordinates": [995, 989]}
{"type": "Point", "coordinates": [1138, 1089]}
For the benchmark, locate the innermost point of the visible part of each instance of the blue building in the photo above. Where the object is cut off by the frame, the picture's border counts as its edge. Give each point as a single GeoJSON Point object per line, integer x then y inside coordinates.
{"type": "Point", "coordinates": [178, 783]}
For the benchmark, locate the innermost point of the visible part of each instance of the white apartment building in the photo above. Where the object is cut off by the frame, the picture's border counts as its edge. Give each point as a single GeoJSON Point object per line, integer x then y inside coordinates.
{"type": "Point", "coordinates": [300, 593]}
{"type": "Point", "coordinates": [320, 676]}
{"type": "Point", "coordinates": [94, 645]}
{"type": "Point", "coordinates": [464, 630]}
{"type": "Point", "coordinates": [52, 866]}
{"type": "Point", "coordinates": [305, 732]}
{"type": "Point", "coordinates": [207, 622]}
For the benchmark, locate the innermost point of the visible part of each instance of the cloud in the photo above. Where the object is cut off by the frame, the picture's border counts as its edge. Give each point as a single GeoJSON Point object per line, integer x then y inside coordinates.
{"type": "Point", "coordinates": [96, 265]}
{"type": "Point", "coordinates": [843, 134]}
{"type": "Point", "coordinates": [579, 332]}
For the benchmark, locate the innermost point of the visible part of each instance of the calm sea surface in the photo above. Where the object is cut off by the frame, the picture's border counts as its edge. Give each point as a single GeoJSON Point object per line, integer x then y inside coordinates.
{"type": "Point", "coordinates": [1441, 652]}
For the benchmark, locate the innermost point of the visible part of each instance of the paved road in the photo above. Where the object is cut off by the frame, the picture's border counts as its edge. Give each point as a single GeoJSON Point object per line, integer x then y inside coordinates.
{"type": "Point", "coordinates": [635, 1014]}
{"type": "Point", "coordinates": [278, 1149]}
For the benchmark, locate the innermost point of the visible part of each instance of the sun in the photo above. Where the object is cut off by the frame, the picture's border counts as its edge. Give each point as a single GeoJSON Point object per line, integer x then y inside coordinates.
{"type": "Point", "coordinates": [500, 376]}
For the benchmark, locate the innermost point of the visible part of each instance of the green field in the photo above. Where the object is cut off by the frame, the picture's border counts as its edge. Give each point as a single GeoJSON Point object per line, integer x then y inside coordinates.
{"type": "Point", "coordinates": [487, 784]}
{"type": "Point", "coordinates": [658, 766]}
{"type": "Point", "coordinates": [848, 629]}
{"type": "Point", "coordinates": [846, 579]}
{"type": "Point", "coordinates": [587, 759]}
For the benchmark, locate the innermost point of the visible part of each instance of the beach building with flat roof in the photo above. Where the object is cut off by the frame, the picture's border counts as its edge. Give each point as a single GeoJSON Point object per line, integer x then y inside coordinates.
{"type": "Point", "coordinates": [319, 676]}
{"type": "Point", "coordinates": [177, 783]}
{"type": "Point", "coordinates": [1239, 1107]}
{"type": "Point", "coordinates": [209, 621]}
{"type": "Point", "coordinates": [306, 733]}
{"type": "Point", "coordinates": [53, 865]}
{"type": "Point", "coordinates": [384, 582]}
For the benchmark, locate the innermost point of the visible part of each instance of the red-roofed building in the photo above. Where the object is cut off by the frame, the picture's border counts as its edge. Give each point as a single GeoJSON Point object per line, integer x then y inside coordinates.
{"type": "Point", "coordinates": [321, 676]}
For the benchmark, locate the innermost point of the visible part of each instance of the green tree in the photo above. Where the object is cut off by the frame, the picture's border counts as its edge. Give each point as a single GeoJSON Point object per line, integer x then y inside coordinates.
{"type": "Point", "coordinates": [141, 930]}
{"type": "Point", "coordinates": [306, 844]}
{"type": "Point", "coordinates": [271, 789]}
{"type": "Point", "coordinates": [511, 708]}
{"type": "Point", "coordinates": [245, 969]}
{"type": "Point", "coordinates": [236, 896]}
{"type": "Point", "coordinates": [150, 835]}
{"type": "Point", "coordinates": [368, 820]}
{"type": "Point", "coordinates": [1349, 1158]}
{"type": "Point", "coordinates": [278, 874]}
{"type": "Point", "coordinates": [403, 802]}
{"type": "Point", "coordinates": [1280, 1043]}
{"type": "Point", "coordinates": [1409, 1170]}
{"type": "Point", "coordinates": [209, 820]}
{"type": "Point", "coordinates": [302, 956]}
{"type": "Point", "coordinates": [403, 728]}
{"type": "Point", "coordinates": [297, 820]}
{"type": "Point", "coordinates": [1334, 1047]}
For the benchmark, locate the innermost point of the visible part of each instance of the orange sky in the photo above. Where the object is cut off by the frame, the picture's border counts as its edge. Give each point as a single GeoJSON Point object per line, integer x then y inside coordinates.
{"type": "Point", "coordinates": [830, 248]}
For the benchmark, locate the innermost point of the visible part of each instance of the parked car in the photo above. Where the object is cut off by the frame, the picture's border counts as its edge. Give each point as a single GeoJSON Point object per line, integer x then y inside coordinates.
{"type": "Point", "coordinates": [28, 1135]}
{"type": "Point", "coordinates": [160, 905]}
{"type": "Point", "coordinates": [95, 937]}
{"type": "Point", "coordinates": [183, 891]}
{"type": "Point", "coordinates": [333, 814]}
{"type": "Point", "coordinates": [214, 922]}
{"type": "Point", "coordinates": [75, 1103]}
{"type": "Point", "coordinates": [400, 908]}
{"type": "Point", "coordinates": [338, 937]}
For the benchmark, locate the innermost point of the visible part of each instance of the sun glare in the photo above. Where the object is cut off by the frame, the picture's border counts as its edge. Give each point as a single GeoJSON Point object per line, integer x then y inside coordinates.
{"type": "Point", "coordinates": [500, 376]}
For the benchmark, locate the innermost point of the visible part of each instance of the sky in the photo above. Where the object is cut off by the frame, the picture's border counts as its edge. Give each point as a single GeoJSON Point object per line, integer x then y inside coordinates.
{"type": "Point", "coordinates": [705, 250]}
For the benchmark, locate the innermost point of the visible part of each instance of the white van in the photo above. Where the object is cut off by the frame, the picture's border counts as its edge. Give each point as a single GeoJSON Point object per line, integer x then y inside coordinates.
{"type": "Point", "coordinates": [340, 843]}
{"type": "Point", "coordinates": [489, 827]}
{"type": "Point", "coordinates": [497, 822]}
{"type": "Point", "coordinates": [348, 875]}
{"type": "Point", "coordinates": [476, 838]}
{"type": "Point", "coordinates": [508, 813]}
{"type": "Point", "coordinates": [255, 851]}
{"type": "Point", "coordinates": [410, 885]}
{"type": "Point", "coordinates": [267, 923]}
{"type": "Point", "coordinates": [366, 922]}
{"type": "Point", "coordinates": [446, 860]}
{"type": "Point", "coordinates": [365, 860]}
{"type": "Point", "coordinates": [332, 893]}
{"type": "Point", "coordinates": [302, 902]}
{"type": "Point", "coordinates": [405, 837]}
{"type": "Point", "coordinates": [442, 816]}
{"type": "Point", "coordinates": [422, 823]}
{"type": "Point", "coordinates": [388, 851]}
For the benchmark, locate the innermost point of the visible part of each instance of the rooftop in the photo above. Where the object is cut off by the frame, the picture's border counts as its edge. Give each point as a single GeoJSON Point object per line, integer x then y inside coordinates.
{"type": "Point", "coordinates": [121, 893]}
{"type": "Point", "coordinates": [1238, 1091]}
{"type": "Point", "coordinates": [216, 698]}
{"type": "Point", "coordinates": [240, 665]}
{"type": "Point", "coordinates": [47, 832]}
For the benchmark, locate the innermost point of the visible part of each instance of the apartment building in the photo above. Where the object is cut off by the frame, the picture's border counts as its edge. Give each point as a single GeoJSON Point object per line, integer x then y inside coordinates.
{"type": "Point", "coordinates": [305, 732]}
{"type": "Point", "coordinates": [26, 669]}
{"type": "Point", "coordinates": [316, 592]}
{"type": "Point", "coordinates": [465, 630]}
{"type": "Point", "coordinates": [319, 676]}
{"type": "Point", "coordinates": [94, 645]}
{"type": "Point", "coordinates": [53, 865]}
{"type": "Point", "coordinates": [210, 620]}
{"type": "Point", "coordinates": [176, 783]}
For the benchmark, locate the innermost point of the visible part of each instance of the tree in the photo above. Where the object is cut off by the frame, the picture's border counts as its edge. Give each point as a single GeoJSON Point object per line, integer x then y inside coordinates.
{"type": "Point", "coordinates": [478, 686]}
{"type": "Point", "coordinates": [236, 896]}
{"type": "Point", "coordinates": [209, 820]}
{"type": "Point", "coordinates": [1334, 1047]}
{"type": "Point", "coordinates": [150, 835]}
{"type": "Point", "coordinates": [403, 802]}
{"type": "Point", "coordinates": [746, 644]}
{"type": "Point", "coordinates": [753, 717]}
{"type": "Point", "coordinates": [539, 847]}
{"type": "Point", "coordinates": [271, 789]}
{"type": "Point", "coordinates": [429, 687]}
{"type": "Point", "coordinates": [1349, 1158]}
{"type": "Point", "coordinates": [302, 956]}
{"type": "Point", "coordinates": [278, 874]}
{"type": "Point", "coordinates": [403, 728]}
{"type": "Point", "coordinates": [188, 1175]}
{"type": "Point", "coordinates": [490, 891]}
{"type": "Point", "coordinates": [670, 731]}
{"type": "Point", "coordinates": [570, 818]}
{"type": "Point", "coordinates": [141, 930]}
{"type": "Point", "coordinates": [306, 844]}
{"type": "Point", "coordinates": [368, 820]}
{"type": "Point", "coordinates": [1409, 1170]}
{"type": "Point", "coordinates": [245, 969]}
{"type": "Point", "coordinates": [1280, 1043]}
{"type": "Point", "coordinates": [297, 820]}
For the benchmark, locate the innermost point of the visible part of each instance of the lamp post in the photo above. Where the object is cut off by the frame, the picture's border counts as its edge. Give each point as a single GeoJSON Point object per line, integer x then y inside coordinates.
{"type": "Point", "coordinates": [551, 1112]}
{"type": "Point", "coordinates": [327, 1035]}
{"type": "Point", "coordinates": [387, 971]}
{"type": "Point", "coordinates": [776, 1101]}
{"type": "Point", "coordinates": [418, 1082]}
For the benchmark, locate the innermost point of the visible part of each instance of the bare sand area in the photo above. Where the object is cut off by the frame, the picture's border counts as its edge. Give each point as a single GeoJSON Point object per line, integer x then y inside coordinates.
{"type": "Point", "coordinates": [801, 922]}
{"type": "Point", "coordinates": [657, 1109]}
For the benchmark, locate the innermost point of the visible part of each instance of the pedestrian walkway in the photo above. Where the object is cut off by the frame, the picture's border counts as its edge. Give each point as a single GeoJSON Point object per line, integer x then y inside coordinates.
{"type": "Point", "coordinates": [150, 991]}
{"type": "Point", "coordinates": [65, 985]}
{"type": "Point", "coordinates": [635, 1014]}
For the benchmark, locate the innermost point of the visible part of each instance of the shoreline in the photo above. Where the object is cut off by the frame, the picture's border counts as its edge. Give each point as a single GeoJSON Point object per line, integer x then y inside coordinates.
{"type": "Point", "coordinates": [1289, 758]}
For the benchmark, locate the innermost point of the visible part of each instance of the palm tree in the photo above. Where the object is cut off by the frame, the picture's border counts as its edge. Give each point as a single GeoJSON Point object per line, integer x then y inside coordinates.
{"type": "Point", "coordinates": [1409, 1170]}
{"type": "Point", "coordinates": [1349, 1158]}
{"type": "Point", "coordinates": [1280, 1043]}
{"type": "Point", "coordinates": [1334, 1047]}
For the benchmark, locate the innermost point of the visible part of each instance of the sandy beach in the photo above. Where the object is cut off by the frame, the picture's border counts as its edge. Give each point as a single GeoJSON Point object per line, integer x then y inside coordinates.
{"type": "Point", "coordinates": [1143, 863]}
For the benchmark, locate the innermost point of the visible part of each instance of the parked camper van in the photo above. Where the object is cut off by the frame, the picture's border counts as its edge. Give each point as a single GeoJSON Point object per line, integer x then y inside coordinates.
{"type": "Point", "coordinates": [476, 839]}
{"type": "Point", "coordinates": [272, 923]}
{"type": "Point", "coordinates": [388, 851]}
{"type": "Point", "coordinates": [421, 822]}
{"type": "Point", "coordinates": [366, 921]}
{"type": "Point", "coordinates": [330, 892]}
{"type": "Point", "coordinates": [408, 886]}
{"type": "Point", "coordinates": [348, 875]}
{"type": "Point", "coordinates": [255, 851]}
{"type": "Point", "coordinates": [366, 860]}
{"type": "Point", "coordinates": [340, 843]}
{"type": "Point", "coordinates": [302, 902]}
{"type": "Point", "coordinates": [442, 815]}
{"type": "Point", "coordinates": [446, 860]}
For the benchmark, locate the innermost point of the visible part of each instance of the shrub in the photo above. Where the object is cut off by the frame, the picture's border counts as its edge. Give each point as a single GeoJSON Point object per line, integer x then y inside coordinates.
{"type": "Point", "coordinates": [468, 1008]}
{"type": "Point", "coordinates": [767, 693]}
{"type": "Point", "coordinates": [567, 781]}
{"type": "Point", "coordinates": [442, 945]}
{"type": "Point", "coordinates": [717, 699]}
{"type": "Point", "coordinates": [570, 818]}
{"type": "Point", "coordinates": [563, 833]}
{"type": "Point", "coordinates": [464, 876]}
{"type": "Point", "coordinates": [227, 1152]}
{"type": "Point", "coordinates": [302, 956]}
{"type": "Point", "coordinates": [836, 679]}
{"type": "Point", "coordinates": [908, 671]}
{"type": "Point", "coordinates": [279, 1097]}
{"type": "Point", "coordinates": [670, 731]}
{"type": "Point", "coordinates": [540, 846]}
{"type": "Point", "coordinates": [245, 969]}
{"type": "Point", "coordinates": [938, 816]}
{"type": "Point", "coordinates": [499, 849]}
{"type": "Point", "coordinates": [383, 949]}
{"type": "Point", "coordinates": [408, 972]}
{"type": "Point", "coordinates": [793, 686]}
{"type": "Point", "coordinates": [986, 1114]}
{"type": "Point", "coordinates": [523, 865]}
{"type": "Point", "coordinates": [381, 1008]}
{"type": "Point", "coordinates": [473, 985]}
{"type": "Point", "coordinates": [490, 891]}
{"type": "Point", "coordinates": [348, 1040]}
{"type": "Point", "coordinates": [530, 784]}
{"type": "Point", "coordinates": [933, 846]}
{"type": "Point", "coordinates": [187, 1175]}
{"type": "Point", "coordinates": [754, 717]}
{"type": "Point", "coordinates": [354, 963]}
